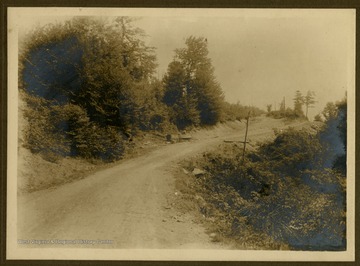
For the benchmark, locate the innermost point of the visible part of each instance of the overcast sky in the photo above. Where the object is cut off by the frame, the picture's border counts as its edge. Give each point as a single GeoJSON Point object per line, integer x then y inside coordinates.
{"type": "Point", "coordinates": [261, 56]}
{"type": "Point", "coordinates": [260, 60]}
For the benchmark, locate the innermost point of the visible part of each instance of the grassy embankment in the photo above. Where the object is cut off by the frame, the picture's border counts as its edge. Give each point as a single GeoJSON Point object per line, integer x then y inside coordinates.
{"type": "Point", "coordinates": [285, 194]}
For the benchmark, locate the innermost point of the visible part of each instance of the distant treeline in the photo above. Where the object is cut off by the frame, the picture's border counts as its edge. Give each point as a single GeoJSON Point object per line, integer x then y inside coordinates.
{"type": "Point", "coordinates": [297, 112]}
{"type": "Point", "coordinates": [89, 86]}
{"type": "Point", "coordinates": [236, 111]}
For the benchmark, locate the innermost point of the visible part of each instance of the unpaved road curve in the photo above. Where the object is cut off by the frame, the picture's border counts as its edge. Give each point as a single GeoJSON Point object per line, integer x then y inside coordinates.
{"type": "Point", "coordinates": [129, 203]}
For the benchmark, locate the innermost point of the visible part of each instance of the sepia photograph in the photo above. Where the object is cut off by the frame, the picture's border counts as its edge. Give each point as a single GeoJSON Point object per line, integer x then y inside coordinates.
{"type": "Point", "coordinates": [181, 134]}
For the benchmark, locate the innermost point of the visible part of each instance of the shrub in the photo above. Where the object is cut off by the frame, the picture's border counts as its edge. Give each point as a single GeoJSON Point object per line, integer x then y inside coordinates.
{"type": "Point", "coordinates": [292, 151]}
{"type": "Point", "coordinates": [280, 194]}
{"type": "Point", "coordinates": [56, 131]}
{"type": "Point", "coordinates": [42, 135]}
{"type": "Point", "coordinates": [287, 114]}
{"type": "Point", "coordinates": [94, 141]}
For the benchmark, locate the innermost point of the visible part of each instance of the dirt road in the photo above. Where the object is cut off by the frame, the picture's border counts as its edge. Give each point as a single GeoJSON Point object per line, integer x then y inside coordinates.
{"type": "Point", "coordinates": [129, 204]}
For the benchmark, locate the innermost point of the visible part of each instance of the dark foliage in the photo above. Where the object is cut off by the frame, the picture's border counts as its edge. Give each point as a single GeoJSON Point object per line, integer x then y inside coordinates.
{"type": "Point", "coordinates": [284, 193]}
{"type": "Point", "coordinates": [49, 76]}
{"type": "Point", "coordinates": [292, 151]}
{"type": "Point", "coordinates": [183, 106]}
{"type": "Point", "coordinates": [191, 90]}
{"type": "Point", "coordinates": [94, 76]}
{"type": "Point", "coordinates": [56, 131]}
{"type": "Point", "coordinates": [335, 135]}
{"type": "Point", "coordinates": [87, 83]}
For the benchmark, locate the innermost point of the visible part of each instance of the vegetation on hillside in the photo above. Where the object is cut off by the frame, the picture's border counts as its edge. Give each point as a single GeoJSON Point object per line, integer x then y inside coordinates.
{"type": "Point", "coordinates": [289, 192]}
{"type": "Point", "coordinates": [89, 87]}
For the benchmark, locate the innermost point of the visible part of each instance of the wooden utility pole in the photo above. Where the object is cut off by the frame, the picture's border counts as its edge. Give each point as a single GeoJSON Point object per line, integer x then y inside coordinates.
{"type": "Point", "coordinates": [246, 132]}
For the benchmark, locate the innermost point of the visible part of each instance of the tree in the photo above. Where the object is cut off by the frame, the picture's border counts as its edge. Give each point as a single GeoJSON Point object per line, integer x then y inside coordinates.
{"type": "Point", "coordinates": [194, 56]}
{"type": "Point", "coordinates": [334, 134]}
{"type": "Point", "coordinates": [282, 106]}
{"type": "Point", "coordinates": [268, 108]}
{"type": "Point", "coordinates": [298, 103]}
{"type": "Point", "coordinates": [342, 113]}
{"type": "Point", "coordinates": [210, 99]}
{"type": "Point", "coordinates": [117, 68]}
{"type": "Point", "coordinates": [330, 111]}
{"type": "Point", "coordinates": [340, 162]}
{"type": "Point", "coordinates": [200, 81]}
{"type": "Point", "coordinates": [318, 118]}
{"type": "Point", "coordinates": [94, 63]}
{"type": "Point", "coordinates": [101, 66]}
{"type": "Point", "coordinates": [174, 80]}
{"type": "Point", "coordinates": [183, 106]}
{"type": "Point", "coordinates": [309, 101]}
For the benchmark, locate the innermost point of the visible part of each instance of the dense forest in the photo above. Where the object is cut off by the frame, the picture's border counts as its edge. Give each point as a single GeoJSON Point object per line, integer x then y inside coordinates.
{"type": "Point", "coordinates": [89, 86]}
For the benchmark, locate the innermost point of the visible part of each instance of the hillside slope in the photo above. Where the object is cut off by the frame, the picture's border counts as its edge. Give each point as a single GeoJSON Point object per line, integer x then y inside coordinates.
{"type": "Point", "coordinates": [132, 203]}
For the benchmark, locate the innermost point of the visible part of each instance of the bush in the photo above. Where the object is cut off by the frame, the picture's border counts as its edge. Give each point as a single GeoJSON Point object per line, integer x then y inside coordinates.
{"type": "Point", "coordinates": [42, 136]}
{"type": "Point", "coordinates": [287, 114]}
{"type": "Point", "coordinates": [280, 194]}
{"type": "Point", "coordinates": [292, 151]}
{"type": "Point", "coordinates": [56, 131]}
{"type": "Point", "coordinates": [94, 141]}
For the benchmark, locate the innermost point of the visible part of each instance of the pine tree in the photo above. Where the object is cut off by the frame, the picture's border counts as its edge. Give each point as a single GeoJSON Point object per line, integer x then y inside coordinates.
{"type": "Point", "coordinates": [183, 106]}
{"type": "Point", "coordinates": [309, 101]}
{"type": "Point", "coordinates": [330, 111]}
{"type": "Point", "coordinates": [200, 83]}
{"type": "Point", "coordinates": [282, 106]}
{"type": "Point", "coordinates": [298, 104]}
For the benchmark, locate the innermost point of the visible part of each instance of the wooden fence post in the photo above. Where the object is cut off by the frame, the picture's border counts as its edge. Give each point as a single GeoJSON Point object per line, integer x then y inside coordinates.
{"type": "Point", "coordinates": [246, 132]}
